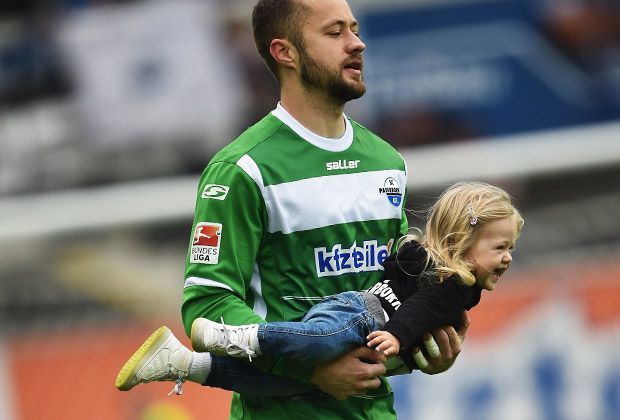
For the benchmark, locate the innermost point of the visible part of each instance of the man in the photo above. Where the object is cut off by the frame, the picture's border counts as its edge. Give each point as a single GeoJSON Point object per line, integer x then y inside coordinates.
{"type": "Point", "coordinates": [304, 204]}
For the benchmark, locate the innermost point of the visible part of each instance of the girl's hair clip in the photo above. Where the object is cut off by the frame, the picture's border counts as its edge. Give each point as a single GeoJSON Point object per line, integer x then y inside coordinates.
{"type": "Point", "coordinates": [473, 219]}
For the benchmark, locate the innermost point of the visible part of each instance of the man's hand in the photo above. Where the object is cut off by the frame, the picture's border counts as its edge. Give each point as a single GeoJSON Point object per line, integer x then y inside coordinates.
{"type": "Point", "coordinates": [353, 373]}
{"type": "Point", "coordinates": [443, 346]}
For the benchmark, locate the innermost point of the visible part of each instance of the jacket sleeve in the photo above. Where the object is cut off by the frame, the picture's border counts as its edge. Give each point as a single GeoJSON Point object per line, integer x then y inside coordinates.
{"type": "Point", "coordinates": [428, 308]}
{"type": "Point", "coordinates": [406, 263]}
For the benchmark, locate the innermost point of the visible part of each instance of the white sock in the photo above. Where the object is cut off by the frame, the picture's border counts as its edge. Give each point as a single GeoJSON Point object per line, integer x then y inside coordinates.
{"type": "Point", "coordinates": [254, 344]}
{"type": "Point", "coordinates": [200, 368]}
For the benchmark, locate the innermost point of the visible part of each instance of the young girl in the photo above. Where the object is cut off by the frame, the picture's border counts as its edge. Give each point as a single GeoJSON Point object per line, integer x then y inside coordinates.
{"type": "Point", "coordinates": [470, 234]}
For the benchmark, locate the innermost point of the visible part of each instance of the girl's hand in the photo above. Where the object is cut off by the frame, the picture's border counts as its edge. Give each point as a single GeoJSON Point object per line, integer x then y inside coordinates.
{"type": "Point", "coordinates": [384, 341]}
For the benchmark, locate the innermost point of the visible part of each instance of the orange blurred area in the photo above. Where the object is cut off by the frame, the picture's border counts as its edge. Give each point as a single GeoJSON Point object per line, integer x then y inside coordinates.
{"type": "Point", "coordinates": [70, 376]}
{"type": "Point", "coordinates": [593, 287]}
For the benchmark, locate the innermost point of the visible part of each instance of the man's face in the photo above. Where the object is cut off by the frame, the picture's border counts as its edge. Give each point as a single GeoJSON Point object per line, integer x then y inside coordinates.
{"type": "Point", "coordinates": [331, 58]}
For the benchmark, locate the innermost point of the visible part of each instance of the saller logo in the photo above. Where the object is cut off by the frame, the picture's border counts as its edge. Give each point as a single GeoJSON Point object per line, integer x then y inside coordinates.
{"type": "Point", "coordinates": [355, 259]}
{"type": "Point", "coordinates": [206, 243]}
{"type": "Point", "coordinates": [217, 192]}
{"type": "Point", "coordinates": [342, 164]}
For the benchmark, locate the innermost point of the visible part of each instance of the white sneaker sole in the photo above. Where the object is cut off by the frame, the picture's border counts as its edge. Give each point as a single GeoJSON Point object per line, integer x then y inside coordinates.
{"type": "Point", "coordinates": [125, 380]}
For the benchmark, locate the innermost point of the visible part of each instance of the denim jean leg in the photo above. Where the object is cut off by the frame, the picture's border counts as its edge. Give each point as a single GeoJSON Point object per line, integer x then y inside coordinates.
{"type": "Point", "coordinates": [242, 377]}
{"type": "Point", "coordinates": [329, 329]}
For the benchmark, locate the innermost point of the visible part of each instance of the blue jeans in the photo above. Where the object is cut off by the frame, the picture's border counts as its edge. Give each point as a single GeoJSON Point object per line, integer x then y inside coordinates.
{"type": "Point", "coordinates": [330, 328]}
{"type": "Point", "coordinates": [246, 379]}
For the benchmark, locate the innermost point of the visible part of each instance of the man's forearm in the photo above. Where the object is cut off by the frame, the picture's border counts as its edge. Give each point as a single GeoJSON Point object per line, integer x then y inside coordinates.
{"type": "Point", "coordinates": [215, 305]}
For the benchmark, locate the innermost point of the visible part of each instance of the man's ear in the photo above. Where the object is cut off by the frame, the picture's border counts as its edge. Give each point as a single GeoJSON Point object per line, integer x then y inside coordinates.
{"type": "Point", "coordinates": [284, 52]}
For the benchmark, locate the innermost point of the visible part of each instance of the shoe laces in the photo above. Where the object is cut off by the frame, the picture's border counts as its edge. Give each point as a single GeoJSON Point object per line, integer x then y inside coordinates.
{"type": "Point", "coordinates": [236, 338]}
{"type": "Point", "coordinates": [178, 386]}
{"type": "Point", "coordinates": [180, 378]}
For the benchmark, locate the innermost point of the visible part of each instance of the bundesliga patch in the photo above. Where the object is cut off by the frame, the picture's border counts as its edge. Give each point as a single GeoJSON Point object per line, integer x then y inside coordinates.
{"type": "Point", "coordinates": [206, 244]}
{"type": "Point", "coordinates": [215, 191]}
{"type": "Point", "coordinates": [392, 190]}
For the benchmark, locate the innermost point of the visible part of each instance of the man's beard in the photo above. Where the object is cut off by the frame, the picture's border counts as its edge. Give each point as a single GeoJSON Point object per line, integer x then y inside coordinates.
{"type": "Point", "coordinates": [316, 75]}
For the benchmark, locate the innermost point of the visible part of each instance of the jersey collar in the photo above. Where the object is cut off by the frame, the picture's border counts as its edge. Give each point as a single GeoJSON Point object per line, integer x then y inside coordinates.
{"type": "Point", "coordinates": [325, 143]}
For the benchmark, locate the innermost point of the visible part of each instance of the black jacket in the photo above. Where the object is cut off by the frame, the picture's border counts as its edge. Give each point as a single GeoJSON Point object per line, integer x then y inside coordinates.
{"type": "Point", "coordinates": [416, 301]}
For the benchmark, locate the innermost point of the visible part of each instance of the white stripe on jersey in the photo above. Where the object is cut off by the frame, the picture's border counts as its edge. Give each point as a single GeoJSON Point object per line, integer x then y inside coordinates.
{"type": "Point", "coordinates": [259, 302]}
{"type": "Point", "coordinates": [294, 206]}
{"type": "Point", "coordinates": [356, 196]}
{"type": "Point", "coordinates": [249, 167]}
{"type": "Point", "coordinates": [309, 298]}
{"type": "Point", "coordinates": [197, 281]}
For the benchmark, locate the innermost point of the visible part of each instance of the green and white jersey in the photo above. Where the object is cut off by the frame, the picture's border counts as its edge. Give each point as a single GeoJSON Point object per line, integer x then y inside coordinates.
{"type": "Point", "coordinates": [284, 218]}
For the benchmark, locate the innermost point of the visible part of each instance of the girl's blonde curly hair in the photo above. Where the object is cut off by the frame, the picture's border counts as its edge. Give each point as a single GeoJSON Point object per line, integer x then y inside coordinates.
{"type": "Point", "coordinates": [454, 221]}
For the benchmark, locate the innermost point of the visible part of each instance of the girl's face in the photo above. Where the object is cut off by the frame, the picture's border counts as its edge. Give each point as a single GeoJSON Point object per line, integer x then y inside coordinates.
{"type": "Point", "coordinates": [491, 252]}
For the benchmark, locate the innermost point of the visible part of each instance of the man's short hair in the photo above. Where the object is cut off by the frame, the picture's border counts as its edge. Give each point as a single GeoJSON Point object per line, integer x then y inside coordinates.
{"type": "Point", "coordinates": [277, 19]}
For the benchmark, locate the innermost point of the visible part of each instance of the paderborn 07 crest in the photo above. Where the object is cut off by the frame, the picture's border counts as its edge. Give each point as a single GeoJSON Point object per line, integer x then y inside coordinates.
{"type": "Point", "coordinates": [392, 190]}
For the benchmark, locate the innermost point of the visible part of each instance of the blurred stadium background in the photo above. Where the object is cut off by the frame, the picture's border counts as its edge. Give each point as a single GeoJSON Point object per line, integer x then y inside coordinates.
{"type": "Point", "coordinates": [109, 110]}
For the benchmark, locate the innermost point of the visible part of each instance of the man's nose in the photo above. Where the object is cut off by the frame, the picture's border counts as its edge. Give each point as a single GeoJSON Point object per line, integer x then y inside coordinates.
{"type": "Point", "coordinates": [355, 43]}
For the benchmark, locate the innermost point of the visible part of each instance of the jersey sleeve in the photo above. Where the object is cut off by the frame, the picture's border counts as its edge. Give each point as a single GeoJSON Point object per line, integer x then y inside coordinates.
{"type": "Point", "coordinates": [229, 222]}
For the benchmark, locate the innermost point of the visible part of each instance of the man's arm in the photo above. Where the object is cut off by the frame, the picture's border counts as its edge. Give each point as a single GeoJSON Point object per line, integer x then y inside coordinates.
{"type": "Point", "coordinates": [215, 303]}
{"type": "Point", "coordinates": [353, 373]}
{"type": "Point", "coordinates": [357, 371]}
{"type": "Point", "coordinates": [225, 241]}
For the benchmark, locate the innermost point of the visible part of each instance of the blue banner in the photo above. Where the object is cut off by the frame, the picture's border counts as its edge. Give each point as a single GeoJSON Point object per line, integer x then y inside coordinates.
{"type": "Point", "coordinates": [458, 70]}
